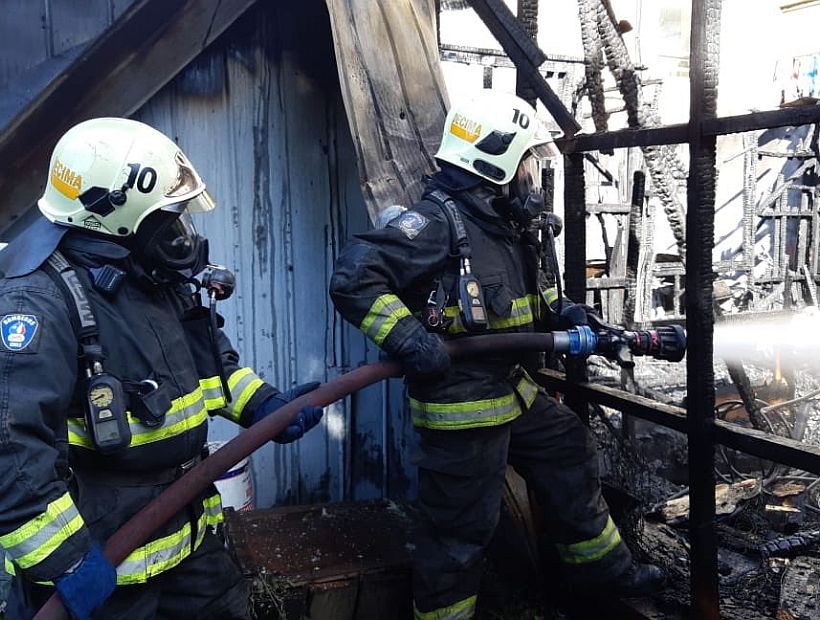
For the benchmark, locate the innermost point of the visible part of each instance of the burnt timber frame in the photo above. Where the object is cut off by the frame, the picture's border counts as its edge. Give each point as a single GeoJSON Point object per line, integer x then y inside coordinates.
{"type": "Point", "coordinates": [698, 422]}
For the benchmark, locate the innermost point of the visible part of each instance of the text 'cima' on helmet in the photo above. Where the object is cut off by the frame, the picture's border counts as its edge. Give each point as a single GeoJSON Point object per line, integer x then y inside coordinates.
{"type": "Point", "coordinates": [108, 174]}
{"type": "Point", "coordinates": [490, 134]}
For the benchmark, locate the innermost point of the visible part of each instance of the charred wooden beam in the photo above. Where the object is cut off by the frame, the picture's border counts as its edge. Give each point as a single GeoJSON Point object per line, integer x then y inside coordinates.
{"type": "Point", "coordinates": [773, 448]}
{"type": "Point", "coordinates": [123, 68]}
{"type": "Point", "coordinates": [679, 134]}
{"type": "Point", "coordinates": [575, 227]}
{"type": "Point", "coordinates": [700, 373]}
{"type": "Point", "coordinates": [786, 117]}
{"type": "Point", "coordinates": [526, 56]}
{"type": "Point", "coordinates": [633, 247]}
{"type": "Point", "coordinates": [630, 404]}
{"type": "Point", "coordinates": [623, 138]}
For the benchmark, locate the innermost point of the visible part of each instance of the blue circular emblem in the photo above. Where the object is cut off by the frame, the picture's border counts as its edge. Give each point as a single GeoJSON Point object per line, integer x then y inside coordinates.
{"type": "Point", "coordinates": [18, 330]}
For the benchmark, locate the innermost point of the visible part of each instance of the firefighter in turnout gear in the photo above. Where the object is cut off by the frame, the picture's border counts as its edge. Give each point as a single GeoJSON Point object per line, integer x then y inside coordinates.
{"type": "Point", "coordinates": [111, 367]}
{"type": "Point", "coordinates": [463, 261]}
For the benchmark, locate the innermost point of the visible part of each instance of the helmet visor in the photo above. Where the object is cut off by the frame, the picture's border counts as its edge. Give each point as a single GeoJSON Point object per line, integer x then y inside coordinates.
{"type": "Point", "coordinates": [187, 181]}
{"type": "Point", "coordinates": [527, 179]}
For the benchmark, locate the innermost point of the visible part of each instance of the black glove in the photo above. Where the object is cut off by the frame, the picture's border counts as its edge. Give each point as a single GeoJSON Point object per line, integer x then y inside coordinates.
{"type": "Point", "coordinates": [573, 315]}
{"type": "Point", "coordinates": [423, 354]}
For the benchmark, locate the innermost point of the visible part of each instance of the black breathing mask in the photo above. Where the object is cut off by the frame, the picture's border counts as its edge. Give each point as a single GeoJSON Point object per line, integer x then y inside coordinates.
{"type": "Point", "coordinates": [169, 248]}
{"type": "Point", "coordinates": [523, 198]}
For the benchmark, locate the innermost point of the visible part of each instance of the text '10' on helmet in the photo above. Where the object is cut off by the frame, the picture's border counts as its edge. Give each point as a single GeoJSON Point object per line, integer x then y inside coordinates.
{"type": "Point", "coordinates": [108, 174]}
{"type": "Point", "coordinates": [489, 134]}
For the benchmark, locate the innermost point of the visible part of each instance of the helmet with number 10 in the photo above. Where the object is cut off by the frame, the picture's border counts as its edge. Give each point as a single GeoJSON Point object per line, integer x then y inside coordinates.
{"type": "Point", "coordinates": [107, 175]}
{"type": "Point", "coordinates": [490, 135]}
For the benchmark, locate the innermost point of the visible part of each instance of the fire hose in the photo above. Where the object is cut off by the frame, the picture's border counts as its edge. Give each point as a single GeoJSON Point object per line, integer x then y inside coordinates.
{"type": "Point", "coordinates": [667, 343]}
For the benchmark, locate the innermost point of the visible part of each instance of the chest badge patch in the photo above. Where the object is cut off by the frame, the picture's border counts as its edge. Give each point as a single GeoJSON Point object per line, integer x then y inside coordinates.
{"type": "Point", "coordinates": [18, 330]}
{"type": "Point", "coordinates": [410, 223]}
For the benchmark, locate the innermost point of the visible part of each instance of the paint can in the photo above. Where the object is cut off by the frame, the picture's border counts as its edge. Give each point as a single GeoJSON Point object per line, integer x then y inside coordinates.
{"type": "Point", "coordinates": [235, 485]}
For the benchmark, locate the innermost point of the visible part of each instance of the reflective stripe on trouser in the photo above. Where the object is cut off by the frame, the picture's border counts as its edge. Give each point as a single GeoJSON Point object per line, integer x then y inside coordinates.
{"type": "Point", "coordinates": [523, 311]}
{"type": "Point", "coordinates": [164, 553]}
{"type": "Point", "coordinates": [36, 539]}
{"type": "Point", "coordinates": [476, 413]}
{"type": "Point", "coordinates": [243, 384]}
{"type": "Point", "coordinates": [592, 550]}
{"type": "Point", "coordinates": [382, 317]}
{"type": "Point", "coordinates": [463, 610]}
{"type": "Point", "coordinates": [186, 413]}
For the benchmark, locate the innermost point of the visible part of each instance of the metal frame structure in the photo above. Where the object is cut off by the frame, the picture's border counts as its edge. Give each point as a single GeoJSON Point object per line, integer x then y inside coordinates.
{"type": "Point", "coordinates": [698, 421]}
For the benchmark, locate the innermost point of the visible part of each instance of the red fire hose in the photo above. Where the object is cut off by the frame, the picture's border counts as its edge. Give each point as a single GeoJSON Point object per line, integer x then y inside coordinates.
{"type": "Point", "coordinates": [189, 487]}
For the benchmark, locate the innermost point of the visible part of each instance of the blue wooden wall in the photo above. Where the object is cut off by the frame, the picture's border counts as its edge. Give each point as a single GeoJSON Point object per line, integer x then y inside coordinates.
{"type": "Point", "coordinates": [260, 115]}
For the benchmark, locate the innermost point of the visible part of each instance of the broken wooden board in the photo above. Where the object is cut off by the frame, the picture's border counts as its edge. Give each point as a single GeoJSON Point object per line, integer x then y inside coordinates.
{"type": "Point", "coordinates": [346, 561]}
{"type": "Point", "coordinates": [727, 498]}
{"type": "Point", "coordinates": [394, 93]}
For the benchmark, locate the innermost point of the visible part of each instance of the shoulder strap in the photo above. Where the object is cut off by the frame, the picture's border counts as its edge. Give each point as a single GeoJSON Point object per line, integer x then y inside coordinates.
{"type": "Point", "coordinates": [459, 241]}
{"type": "Point", "coordinates": [80, 312]}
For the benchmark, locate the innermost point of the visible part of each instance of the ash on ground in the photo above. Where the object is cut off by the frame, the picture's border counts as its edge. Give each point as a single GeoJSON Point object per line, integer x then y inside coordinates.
{"type": "Point", "coordinates": [769, 543]}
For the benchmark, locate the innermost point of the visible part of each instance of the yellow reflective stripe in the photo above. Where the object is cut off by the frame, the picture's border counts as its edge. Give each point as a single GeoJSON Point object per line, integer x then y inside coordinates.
{"type": "Point", "coordinates": [463, 610]}
{"type": "Point", "coordinates": [475, 413]}
{"type": "Point", "coordinates": [141, 567]}
{"type": "Point", "coordinates": [527, 389]}
{"type": "Point", "coordinates": [521, 313]}
{"type": "Point", "coordinates": [213, 510]}
{"type": "Point", "coordinates": [212, 393]}
{"type": "Point", "coordinates": [164, 553]}
{"type": "Point", "coordinates": [35, 540]}
{"type": "Point", "coordinates": [593, 549]}
{"type": "Point", "coordinates": [468, 414]}
{"type": "Point", "coordinates": [382, 317]}
{"type": "Point", "coordinates": [186, 413]}
{"type": "Point", "coordinates": [550, 295]}
{"type": "Point", "coordinates": [243, 384]}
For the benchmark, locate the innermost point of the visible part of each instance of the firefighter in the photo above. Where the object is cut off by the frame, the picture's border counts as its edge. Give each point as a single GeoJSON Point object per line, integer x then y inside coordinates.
{"type": "Point", "coordinates": [462, 261]}
{"type": "Point", "coordinates": [89, 440]}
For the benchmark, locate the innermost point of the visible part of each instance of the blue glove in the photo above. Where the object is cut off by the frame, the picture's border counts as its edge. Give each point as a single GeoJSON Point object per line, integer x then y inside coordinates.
{"type": "Point", "coordinates": [308, 417]}
{"type": "Point", "coordinates": [88, 586]}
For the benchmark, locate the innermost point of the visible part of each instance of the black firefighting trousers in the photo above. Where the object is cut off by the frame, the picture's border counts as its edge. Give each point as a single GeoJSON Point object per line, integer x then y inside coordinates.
{"type": "Point", "coordinates": [461, 479]}
{"type": "Point", "coordinates": [207, 584]}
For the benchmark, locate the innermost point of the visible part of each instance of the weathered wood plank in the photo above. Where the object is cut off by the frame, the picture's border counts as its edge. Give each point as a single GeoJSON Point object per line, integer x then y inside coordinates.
{"type": "Point", "coordinates": [23, 46]}
{"type": "Point", "coordinates": [394, 93]}
{"type": "Point", "coordinates": [115, 75]}
{"type": "Point", "coordinates": [72, 23]}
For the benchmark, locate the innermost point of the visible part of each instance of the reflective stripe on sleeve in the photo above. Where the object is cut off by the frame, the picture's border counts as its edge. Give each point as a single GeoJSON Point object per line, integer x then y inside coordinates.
{"type": "Point", "coordinates": [35, 540]}
{"type": "Point", "coordinates": [243, 384]}
{"type": "Point", "coordinates": [212, 393]}
{"type": "Point", "coordinates": [382, 317]}
{"type": "Point", "coordinates": [162, 554]}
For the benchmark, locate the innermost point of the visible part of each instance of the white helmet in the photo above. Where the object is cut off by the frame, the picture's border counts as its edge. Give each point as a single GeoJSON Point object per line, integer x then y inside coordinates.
{"type": "Point", "coordinates": [108, 174]}
{"type": "Point", "coordinates": [490, 134]}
